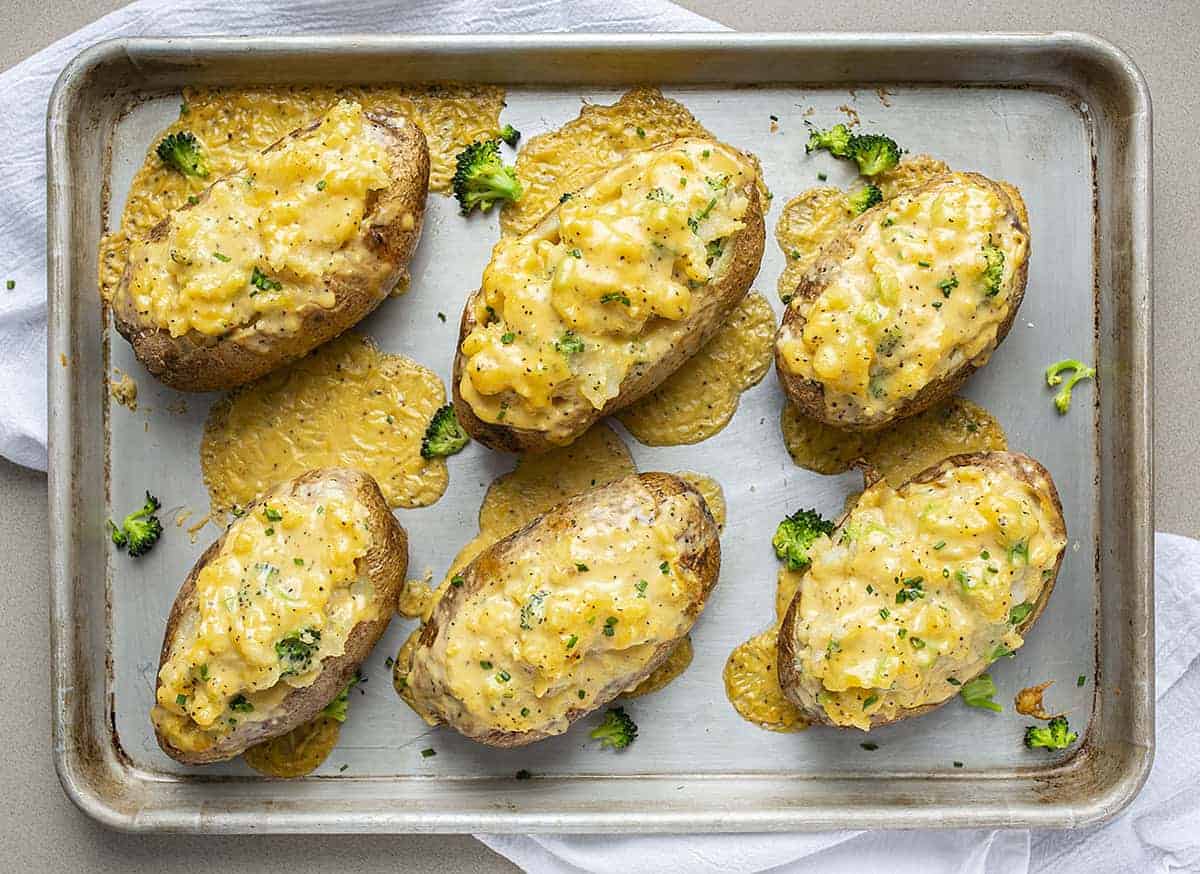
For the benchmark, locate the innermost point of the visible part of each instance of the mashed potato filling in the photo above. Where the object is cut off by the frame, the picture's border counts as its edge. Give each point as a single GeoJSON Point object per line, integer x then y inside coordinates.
{"type": "Point", "coordinates": [258, 243]}
{"type": "Point", "coordinates": [920, 589]}
{"type": "Point", "coordinates": [568, 309]}
{"type": "Point", "coordinates": [925, 289]}
{"type": "Point", "coordinates": [282, 594]}
{"type": "Point", "coordinates": [561, 617]}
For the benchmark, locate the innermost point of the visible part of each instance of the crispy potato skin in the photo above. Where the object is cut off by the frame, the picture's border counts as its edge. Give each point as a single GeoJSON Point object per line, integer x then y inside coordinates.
{"type": "Point", "coordinates": [700, 552]}
{"type": "Point", "coordinates": [809, 395]}
{"type": "Point", "coordinates": [385, 563]}
{"type": "Point", "coordinates": [196, 362]}
{"type": "Point", "coordinates": [1021, 466]}
{"type": "Point", "coordinates": [726, 291]}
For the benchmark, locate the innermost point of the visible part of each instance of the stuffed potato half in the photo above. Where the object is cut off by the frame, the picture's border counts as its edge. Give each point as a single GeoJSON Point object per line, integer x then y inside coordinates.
{"type": "Point", "coordinates": [918, 589]}
{"type": "Point", "coordinates": [277, 615]}
{"type": "Point", "coordinates": [910, 301]}
{"type": "Point", "coordinates": [608, 295]}
{"type": "Point", "coordinates": [565, 614]}
{"type": "Point", "coordinates": [275, 259]}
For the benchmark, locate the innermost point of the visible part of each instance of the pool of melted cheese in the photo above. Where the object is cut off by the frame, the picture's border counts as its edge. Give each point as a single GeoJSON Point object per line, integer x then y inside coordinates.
{"type": "Point", "coordinates": [283, 593]}
{"type": "Point", "coordinates": [344, 405]}
{"type": "Point", "coordinates": [234, 125]}
{"type": "Point", "coordinates": [909, 302]}
{"type": "Point", "coordinates": [298, 752]}
{"type": "Point", "coordinates": [912, 594]}
{"type": "Point", "coordinates": [257, 245]}
{"type": "Point", "coordinates": [568, 309]}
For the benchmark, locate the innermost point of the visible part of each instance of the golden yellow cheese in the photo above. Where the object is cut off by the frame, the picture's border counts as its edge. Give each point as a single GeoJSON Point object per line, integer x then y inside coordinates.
{"type": "Point", "coordinates": [677, 662]}
{"type": "Point", "coordinates": [257, 246]}
{"type": "Point", "coordinates": [298, 752]}
{"type": "Point", "coordinates": [344, 405]}
{"type": "Point", "coordinates": [234, 124]}
{"type": "Point", "coordinates": [924, 289]}
{"type": "Point", "coordinates": [564, 615]}
{"type": "Point", "coordinates": [699, 399]}
{"type": "Point", "coordinates": [898, 452]}
{"type": "Point", "coordinates": [752, 685]}
{"type": "Point", "coordinates": [281, 595]}
{"type": "Point", "coordinates": [565, 312]}
{"type": "Point", "coordinates": [913, 594]}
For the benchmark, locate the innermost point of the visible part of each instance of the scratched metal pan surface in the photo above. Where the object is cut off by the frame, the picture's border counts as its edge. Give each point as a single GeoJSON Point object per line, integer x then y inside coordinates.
{"type": "Point", "coordinates": [1065, 117]}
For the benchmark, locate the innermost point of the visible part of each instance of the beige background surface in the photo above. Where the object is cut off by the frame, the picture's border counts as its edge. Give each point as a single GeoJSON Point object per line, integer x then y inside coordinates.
{"type": "Point", "coordinates": [39, 829]}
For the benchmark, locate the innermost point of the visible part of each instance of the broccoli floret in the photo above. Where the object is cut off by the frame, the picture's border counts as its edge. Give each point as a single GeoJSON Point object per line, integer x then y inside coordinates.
{"type": "Point", "coordinates": [796, 534]}
{"type": "Point", "coordinates": [510, 135]}
{"type": "Point", "coordinates": [482, 179]}
{"type": "Point", "coordinates": [993, 269]}
{"type": "Point", "coordinates": [979, 692]}
{"type": "Point", "coordinates": [617, 730]}
{"type": "Point", "coordinates": [336, 709]}
{"type": "Point", "coordinates": [140, 530]}
{"type": "Point", "coordinates": [865, 198]}
{"type": "Point", "coordinates": [182, 152]}
{"type": "Point", "coordinates": [1062, 400]}
{"type": "Point", "coordinates": [296, 651]}
{"type": "Point", "coordinates": [874, 153]}
{"type": "Point", "coordinates": [836, 141]}
{"type": "Point", "coordinates": [1057, 735]}
{"type": "Point", "coordinates": [444, 436]}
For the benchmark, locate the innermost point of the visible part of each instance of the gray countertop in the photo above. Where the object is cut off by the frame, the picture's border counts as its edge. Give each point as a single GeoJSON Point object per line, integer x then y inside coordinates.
{"type": "Point", "coordinates": [41, 831]}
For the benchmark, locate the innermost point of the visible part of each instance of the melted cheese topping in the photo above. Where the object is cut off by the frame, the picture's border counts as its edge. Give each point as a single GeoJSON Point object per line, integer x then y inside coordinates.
{"type": "Point", "coordinates": [915, 590]}
{"type": "Point", "coordinates": [344, 405]}
{"type": "Point", "coordinates": [910, 301]}
{"type": "Point", "coordinates": [282, 594]}
{"type": "Point", "coordinates": [677, 662]}
{"type": "Point", "coordinates": [568, 309]}
{"type": "Point", "coordinates": [899, 451]}
{"type": "Point", "coordinates": [564, 614]}
{"type": "Point", "coordinates": [297, 753]}
{"type": "Point", "coordinates": [699, 399]}
{"type": "Point", "coordinates": [234, 125]}
{"type": "Point", "coordinates": [258, 244]}
{"type": "Point", "coordinates": [752, 685]}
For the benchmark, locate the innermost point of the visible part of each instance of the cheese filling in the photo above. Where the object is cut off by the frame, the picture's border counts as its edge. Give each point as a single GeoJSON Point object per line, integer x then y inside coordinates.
{"type": "Point", "coordinates": [282, 594]}
{"type": "Point", "coordinates": [926, 287]}
{"type": "Point", "coordinates": [919, 589]}
{"type": "Point", "coordinates": [561, 618]}
{"type": "Point", "coordinates": [257, 245]}
{"type": "Point", "coordinates": [566, 311]}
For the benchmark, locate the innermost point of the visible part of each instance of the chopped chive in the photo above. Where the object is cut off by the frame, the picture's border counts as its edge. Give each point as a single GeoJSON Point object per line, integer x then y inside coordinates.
{"type": "Point", "coordinates": [428, 752]}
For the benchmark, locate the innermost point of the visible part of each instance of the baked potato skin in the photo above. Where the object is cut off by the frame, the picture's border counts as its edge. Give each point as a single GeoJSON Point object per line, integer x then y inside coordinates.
{"type": "Point", "coordinates": [700, 553]}
{"type": "Point", "coordinates": [733, 283]}
{"type": "Point", "coordinates": [385, 563]}
{"type": "Point", "coordinates": [809, 395]}
{"type": "Point", "coordinates": [1024, 468]}
{"type": "Point", "coordinates": [196, 362]}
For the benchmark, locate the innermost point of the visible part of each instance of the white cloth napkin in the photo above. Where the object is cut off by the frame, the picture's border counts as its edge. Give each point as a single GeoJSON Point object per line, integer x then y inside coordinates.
{"type": "Point", "coordinates": [1161, 832]}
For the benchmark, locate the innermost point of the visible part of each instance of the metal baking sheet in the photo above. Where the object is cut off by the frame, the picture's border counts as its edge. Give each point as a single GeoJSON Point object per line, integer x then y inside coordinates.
{"type": "Point", "coordinates": [1065, 117]}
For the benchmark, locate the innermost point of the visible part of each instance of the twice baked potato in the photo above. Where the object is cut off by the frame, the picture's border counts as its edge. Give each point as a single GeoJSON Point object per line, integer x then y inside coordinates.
{"type": "Point", "coordinates": [272, 261]}
{"type": "Point", "coordinates": [911, 300]}
{"type": "Point", "coordinates": [277, 615]}
{"type": "Point", "coordinates": [562, 616]}
{"type": "Point", "coordinates": [608, 295]}
{"type": "Point", "coordinates": [919, 588]}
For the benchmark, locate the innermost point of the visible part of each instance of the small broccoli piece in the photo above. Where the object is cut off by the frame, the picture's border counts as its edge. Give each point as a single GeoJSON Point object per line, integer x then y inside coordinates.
{"type": "Point", "coordinates": [1062, 400]}
{"type": "Point", "coordinates": [836, 141]}
{"type": "Point", "coordinates": [1057, 735]}
{"type": "Point", "coordinates": [617, 730]}
{"type": "Point", "coordinates": [296, 651]}
{"type": "Point", "coordinates": [979, 692]}
{"type": "Point", "coordinates": [510, 135]}
{"type": "Point", "coordinates": [865, 198]}
{"type": "Point", "coordinates": [874, 153]}
{"type": "Point", "coordinates": [796, 534]}
{"type": "Point", "coordinates": [182, 152]}
{"type": "Point", "coordinates": [336, 709]}
{"type": "Point", "coordinates": [569, 344]}
{"type": "Point", "coordinates": [444, 436]}
{"type": "Point", "coordinates": [993, 269]}
{"type": "Point", "coordinates": [481, 179]}
{"type": "Point", "coordinates": [140, 530]}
